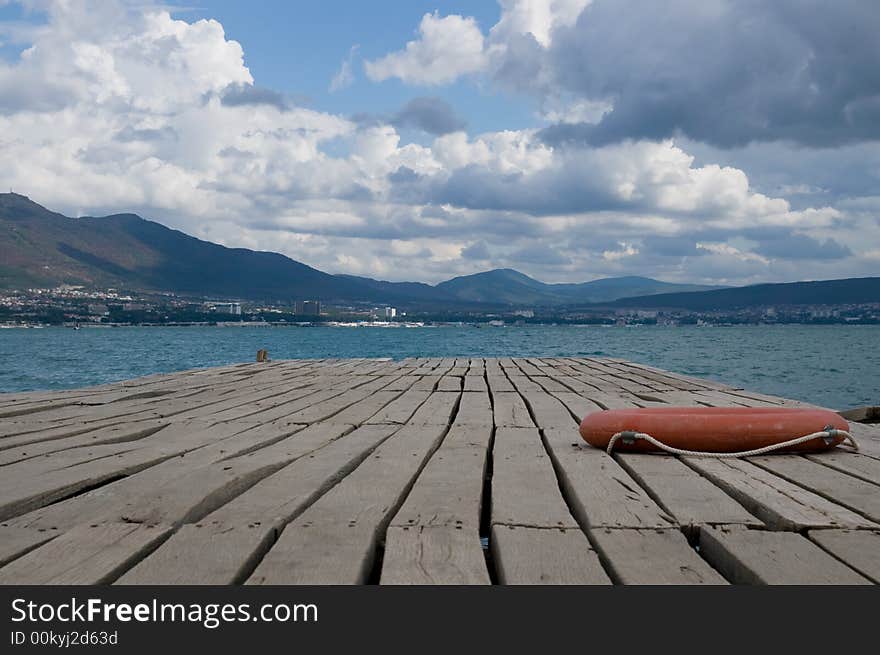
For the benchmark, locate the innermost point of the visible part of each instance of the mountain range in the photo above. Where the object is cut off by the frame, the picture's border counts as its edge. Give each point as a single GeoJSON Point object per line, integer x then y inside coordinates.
{"type": "Point", "coordinates": [849, 291]}
{"type": "Point", "coordinates": [42, 248]}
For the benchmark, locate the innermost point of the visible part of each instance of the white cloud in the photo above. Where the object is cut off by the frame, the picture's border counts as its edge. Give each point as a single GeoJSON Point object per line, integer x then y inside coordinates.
{"type": "Point", "coordinates": [536, 17]}
{"type": "Point", "coordinates": [558, 110]}
{"type": "Point", "coordinates": [626, 250]}
{"type": "Point", "coordinates": [344, 77]}
{"type": "Point", "coordinates": [124, 108]}
{"type": "Point", "coordinates": [452, 46]}
{"type": "Point", "coordinates": [447, 48]}
{"type": "Point", "coordinates": [727, 250]}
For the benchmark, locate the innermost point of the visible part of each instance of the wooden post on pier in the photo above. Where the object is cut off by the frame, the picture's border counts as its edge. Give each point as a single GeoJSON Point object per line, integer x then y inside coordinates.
{"type": "Point", "coordinates": [867, 414]}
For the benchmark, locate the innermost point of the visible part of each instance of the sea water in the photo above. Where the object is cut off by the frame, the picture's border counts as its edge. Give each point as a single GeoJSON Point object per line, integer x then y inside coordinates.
{"type": "Point", "coordinates": [836, 366]}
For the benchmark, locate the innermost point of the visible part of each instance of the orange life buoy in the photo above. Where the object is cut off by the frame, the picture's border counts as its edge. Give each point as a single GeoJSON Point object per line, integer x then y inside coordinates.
{"type": "Point", "coordinates": [713, 429]}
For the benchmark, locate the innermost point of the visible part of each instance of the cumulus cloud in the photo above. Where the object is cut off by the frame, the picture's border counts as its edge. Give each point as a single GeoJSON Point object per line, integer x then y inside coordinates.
{"type": "Point", "coordinates": [344, 77]}
{"type": "Point", "coordinates": [516, 171]}
{"type": "Point", "coordinates": [127, 108]}
{"type": "Point", "coordinates": [625, 250]}
{"type": "Point", "coordinates": [801, 246]}
{"type": "Point", "coordinates": [151, 111]}
{"type": "Point", "coordinates": [671, 246]}
{"type": "Point", "coordinates": [539, 253]}
{"type": "Point", "coordinates": [236, 95]}
{"type": "Point", "coordinates": [447, 48]}
{"type": "Point", "coordinates": [558, 109]}
{"type": "Point", "coordinates": [478, 251]}
{"type": "Point", "coordinates": [725, 72]}
{"type": "Point", "coordinates": [728, 250]}
{"type": "Point", "coordinates": [429, 114]}
{"type": "Point", "coordinates": [536, 18]}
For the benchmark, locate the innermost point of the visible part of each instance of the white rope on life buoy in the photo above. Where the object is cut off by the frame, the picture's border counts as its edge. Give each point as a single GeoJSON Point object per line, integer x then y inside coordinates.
{"type": "Point", "coordinates": [828, 434]}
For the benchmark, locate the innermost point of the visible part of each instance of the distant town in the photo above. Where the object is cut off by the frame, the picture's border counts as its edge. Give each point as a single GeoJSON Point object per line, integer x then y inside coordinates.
{"type": "Point", "coordinates": [80, 307]}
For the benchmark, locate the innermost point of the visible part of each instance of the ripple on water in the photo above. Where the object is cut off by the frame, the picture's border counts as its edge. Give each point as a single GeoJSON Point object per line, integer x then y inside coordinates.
{"type": "Point", "coordinates": [836, 366]}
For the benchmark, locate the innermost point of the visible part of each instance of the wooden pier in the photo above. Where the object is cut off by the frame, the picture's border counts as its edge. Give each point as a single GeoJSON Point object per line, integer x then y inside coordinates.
{"type": "Point", "coordinates": [419, 471]}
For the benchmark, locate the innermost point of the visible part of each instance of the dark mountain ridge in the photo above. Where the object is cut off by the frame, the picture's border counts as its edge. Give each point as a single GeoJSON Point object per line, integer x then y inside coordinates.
{"type": "Point", "coordinates": [509, 286]}
{"type": "Point", "coordinates": [41, 248]}
{"type": "Point", "coordinates": [848, 291]}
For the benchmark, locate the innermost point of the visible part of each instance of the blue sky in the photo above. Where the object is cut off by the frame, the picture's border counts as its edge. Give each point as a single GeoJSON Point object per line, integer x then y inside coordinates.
{"type": "Point", "coordinates": [725, 142]}
{"type": "Point", "coordinates": [297, 47]}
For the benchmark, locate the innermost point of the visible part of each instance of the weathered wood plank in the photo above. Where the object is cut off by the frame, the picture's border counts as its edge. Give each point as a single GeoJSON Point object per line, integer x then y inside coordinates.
{"type": "Point", "coordinates": [334, 540]}
{"type": "Point", "coordinates": [572, 380]}
{"type": "Point", "coordinates": [659, 557]}
{"type": "Point", "coordinates": [864, 414]}
{"type": "Point", "coordinates": [234, 406]}
{"type": "Point", "coordinates": [625, 384]}
{"type": "Point", "coordinates": [534, 538]}
{"type": "Point", "coordinates": [779, 503]}
{"type": "Point", "coordinates": [679, 398]}
{"type": "Point", "coordinates": [577, 404]}
{"type": "Point", "coordinates": [499, 383]}
{"type": "Point", "coordinates": [24, 491]}
{"type": "Point", "coordinates": [363, 410]}
{"type": "Point", "coordinates": [868, 437]}
{"type": "Point", "coordinates": [14, 434]}
{"type": "Point", "coordinates": [524, 487]}
{"type": "Point", "coordinates": [276, 407]}
{"type": "Point", "coordinates": [438, 409]}
{"type": "Point", "coordinates": [332, 406]}
{"type": "Point", "coordinates": [549, 412]}
{"type": "Point", "coordinates": [527, 368]}
{"type": "Point", "coordinates": [399, 411]}
{"type": "Point", "coordinates": [678, 377]}
{"type": "Point", "coordinates": [434, 554]}
{"type": "Point", "coordinates": [475, 383]}
{"type": "Point", "coordinates": [522, 383]}
{"type": "Point", "coordinates": [403, 383]}
{"type": "Point", "coordinates": [224, 546]}
{"type": "Point", "coordinates": [449, 383]}
{"type": "Point", "coordinates": [724, 399]}
{"type": "Point", "coordinates": [525, 555]}
{"type": "Point", "coordinates": [549, 384]}
{"type": "Point", "coordinates": [15, 542]}
{"type": "Point", "coordinates": [442, 510]}
{"type": "Point", "coordinates": [767, 400]}
{"type": "Point", "coordinates": [511, 411]}
{"type": "Point", "coordinates": [119, 433]}
{"type": "Point", "coordinates": [599, 492]}
{"type": "Point", "coordinates": [449, 490]}
{"type": "Point", "coordinates": [840, 488]}
{"type": "Point", "coordinates": [684, 493]}
{"type": "Point", "coordinates": [184, 487]}
{"type": "Point", "coordinates": [857, 465]}
{"type": "Point", "coordinates": [474, 409]}
{"type": "Point", "coordinates": [86, 555]}
{"type": "Point", "coordinates": [761, 557]}
{"type": "Point", "coordinates": [427, 383]}
{"type": "Point", "coordinates": [859, 549]}
{"type": "Point", "coordinates": [33, 469]}
{"type": "Point", "coordinates": [660, 380]}
{"type": "Point", "coordinates": [611, 400]}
